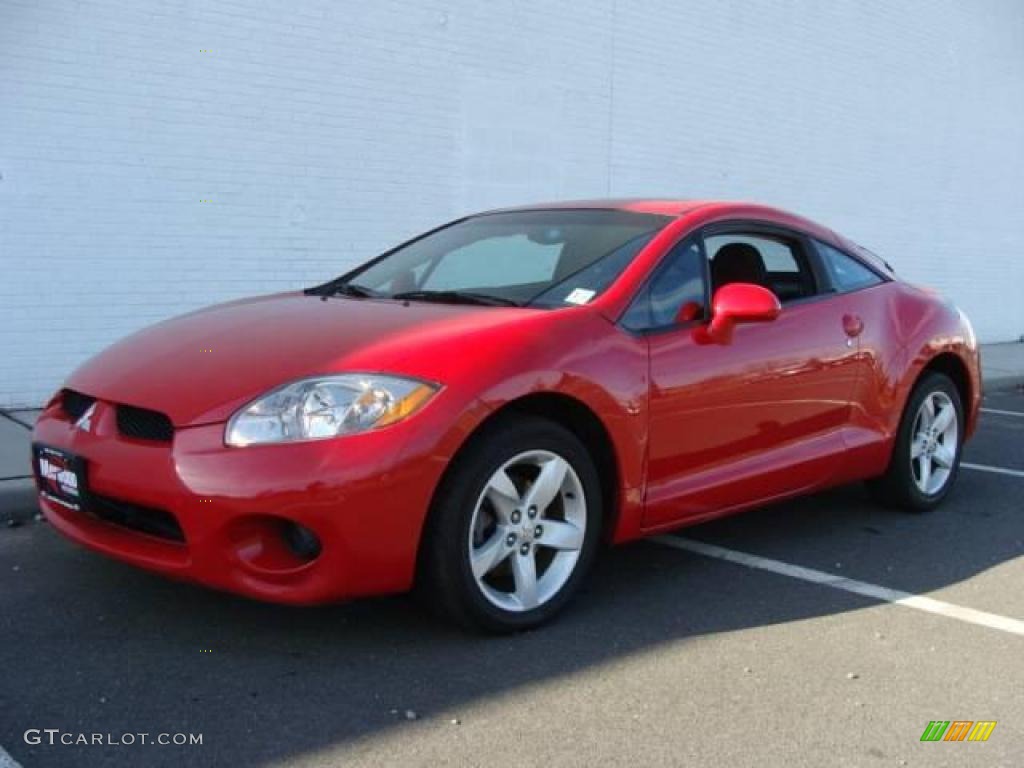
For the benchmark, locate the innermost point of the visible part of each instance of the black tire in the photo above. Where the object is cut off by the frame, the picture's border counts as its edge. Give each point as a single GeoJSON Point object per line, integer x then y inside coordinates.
{"type": "Point", "coordinates": [446, 582]}
{"type": "Point", "coordinates": [897, 487]}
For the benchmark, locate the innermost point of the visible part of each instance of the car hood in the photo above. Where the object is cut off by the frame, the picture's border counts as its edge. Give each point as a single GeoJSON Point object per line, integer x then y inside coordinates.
{"type": "Point", "coordinates": [200, 367]}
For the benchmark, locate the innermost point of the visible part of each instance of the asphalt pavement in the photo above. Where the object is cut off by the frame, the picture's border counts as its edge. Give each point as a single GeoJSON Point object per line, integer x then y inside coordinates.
{"type": "Point", "coordinates": [774, 656]}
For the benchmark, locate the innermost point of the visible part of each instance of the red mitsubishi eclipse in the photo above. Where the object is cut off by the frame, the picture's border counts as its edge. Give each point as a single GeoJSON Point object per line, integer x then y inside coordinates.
{"type": "Point", "coordinates": [477, 410]}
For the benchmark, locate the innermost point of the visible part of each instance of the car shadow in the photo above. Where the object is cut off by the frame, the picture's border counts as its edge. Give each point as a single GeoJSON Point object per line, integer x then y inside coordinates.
{"type": "Point", "coordinates": [97, 646]}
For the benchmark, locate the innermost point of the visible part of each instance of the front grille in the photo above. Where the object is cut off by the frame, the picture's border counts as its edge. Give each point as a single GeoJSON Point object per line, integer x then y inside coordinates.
{"type": "Point", "coordinates": [75, 404]}
{"type": "Point", "coordinates": [143, 424]}
{"type": "Point", "coordinates": [155, 522]}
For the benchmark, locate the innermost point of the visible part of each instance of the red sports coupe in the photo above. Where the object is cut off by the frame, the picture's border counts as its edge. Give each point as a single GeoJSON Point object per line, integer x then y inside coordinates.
{"type": "Point", "coordinates": [477, 410]}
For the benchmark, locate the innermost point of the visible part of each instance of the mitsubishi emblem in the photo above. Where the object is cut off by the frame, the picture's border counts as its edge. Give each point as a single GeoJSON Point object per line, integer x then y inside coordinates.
{"type": "Point", "coordinates": [84, 422]}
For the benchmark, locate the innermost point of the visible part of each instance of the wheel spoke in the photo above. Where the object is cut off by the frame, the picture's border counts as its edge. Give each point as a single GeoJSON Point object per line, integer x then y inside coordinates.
{"type": "Point", "coordinates": [560, 535]}
{"type": "Point", "coordinates": [927, 412]}
{"type": "Point", "coordinates": [943, 419]}
{"type": "Point", "coordinates": [502, 493]}
{"type": "Point", "coordinates": [926, 472]}
{"type": "Point", "coordinates": [489, 556]}
{"type": "Point", "coordinates": [943, 455]}
{"type": "Point", "coordinates": [548, 484]}
{"type": "Point", "coordinates": [524, 571]}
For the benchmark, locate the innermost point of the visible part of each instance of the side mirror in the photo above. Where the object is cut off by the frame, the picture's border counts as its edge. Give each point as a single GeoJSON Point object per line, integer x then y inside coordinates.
{"type": "Point", "coordinates": [739, 303]}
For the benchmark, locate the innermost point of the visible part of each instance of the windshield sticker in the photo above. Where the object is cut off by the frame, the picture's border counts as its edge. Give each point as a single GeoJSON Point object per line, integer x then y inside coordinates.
{"type": "Point", "coordinates": [579, 296]}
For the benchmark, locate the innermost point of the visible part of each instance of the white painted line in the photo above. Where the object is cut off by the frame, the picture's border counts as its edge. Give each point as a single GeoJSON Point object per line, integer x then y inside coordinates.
{"type": "Point", "coordinates": [994, 470]}
{"type": "Point", "coordinates": [1002, 413]}
{"type": "Point", "coordinates": [895, 596]}
{"type": "Point", "coordinates": [6, 761]}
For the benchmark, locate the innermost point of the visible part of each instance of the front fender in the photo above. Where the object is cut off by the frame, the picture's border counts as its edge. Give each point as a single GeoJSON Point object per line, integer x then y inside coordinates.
{"type": "Point", "coordinates": [620, 402]}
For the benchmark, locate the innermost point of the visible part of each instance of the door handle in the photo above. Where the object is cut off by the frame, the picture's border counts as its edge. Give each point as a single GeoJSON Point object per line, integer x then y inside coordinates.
{"type": "Point", "coordinates": [853, 325]}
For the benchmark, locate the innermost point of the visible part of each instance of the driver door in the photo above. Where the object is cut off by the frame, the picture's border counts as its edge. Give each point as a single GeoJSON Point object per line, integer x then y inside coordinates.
{"type": "Point", "coordinates": [758, 417]}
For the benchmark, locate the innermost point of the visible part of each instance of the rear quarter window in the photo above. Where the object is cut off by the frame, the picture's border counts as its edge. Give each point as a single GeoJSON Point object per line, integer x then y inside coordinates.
{"type": "Point", "coordinates": [847, 273]}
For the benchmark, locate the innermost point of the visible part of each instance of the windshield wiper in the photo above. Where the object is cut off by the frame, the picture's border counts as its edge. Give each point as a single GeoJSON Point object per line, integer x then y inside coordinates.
{"type": "Point", "coordinates": [457, 297]}
{"type": "Point", "coordinates": [343, 288]}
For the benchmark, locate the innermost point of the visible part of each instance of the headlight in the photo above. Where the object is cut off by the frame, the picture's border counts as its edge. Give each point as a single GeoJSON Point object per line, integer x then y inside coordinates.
{"type": "Point", "coordinates": [327, 406]}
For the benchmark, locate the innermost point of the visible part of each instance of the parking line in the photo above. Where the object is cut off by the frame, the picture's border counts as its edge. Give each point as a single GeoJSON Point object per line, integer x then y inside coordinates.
{"type": "Point", "coordinates": [1002, 412]}
{"type": "Point", "coordinates": [894, 596]}
{"type": "Point", "coordinates": [994, 470]}
{"type": "Point", "coordinates": [6, 761]}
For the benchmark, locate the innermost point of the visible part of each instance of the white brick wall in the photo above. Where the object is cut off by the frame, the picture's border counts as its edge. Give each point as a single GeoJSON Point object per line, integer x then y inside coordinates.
{"type": "Point", "coordinates": [322, 132]}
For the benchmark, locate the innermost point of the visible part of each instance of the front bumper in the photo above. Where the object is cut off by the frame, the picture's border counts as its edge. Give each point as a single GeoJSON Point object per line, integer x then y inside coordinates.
{"type": "Point", "coordinates": [364, 496]}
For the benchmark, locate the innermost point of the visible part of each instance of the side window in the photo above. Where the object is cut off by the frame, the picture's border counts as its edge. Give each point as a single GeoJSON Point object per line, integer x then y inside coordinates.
{"type": "Point", "coordinates": [777, 263]}
{"type": "Point", "coordinates": [675, 294]}
{"type": "Point", "coordinates": [846, 272]}
{"type": "Point", "coordinates": [514, 260]}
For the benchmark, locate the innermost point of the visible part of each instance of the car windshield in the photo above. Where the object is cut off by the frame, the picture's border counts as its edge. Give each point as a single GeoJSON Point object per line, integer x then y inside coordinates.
{"type": "Point", "coordinates": [545, 258]}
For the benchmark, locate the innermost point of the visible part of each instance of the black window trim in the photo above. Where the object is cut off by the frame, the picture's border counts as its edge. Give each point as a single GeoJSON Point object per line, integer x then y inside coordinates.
{"type": "Point", "coordinates": [822, 276]}
{"type": "Point", "coordinates": [808, 245]}
{"type": "Point", "coordinates": [805, 249]}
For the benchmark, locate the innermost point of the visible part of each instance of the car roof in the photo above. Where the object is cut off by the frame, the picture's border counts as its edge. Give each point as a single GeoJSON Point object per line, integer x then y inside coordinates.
{"type": "Point", "coordinates": [661, 206]}
{"type": "Point", "coordinates": [706, 210]}
{"type": "Point", "coordinates": [678, 207]}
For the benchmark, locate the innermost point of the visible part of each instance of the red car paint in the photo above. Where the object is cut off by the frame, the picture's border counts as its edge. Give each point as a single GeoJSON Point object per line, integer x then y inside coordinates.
{"type": "Point", "coordinates": [698, 427]}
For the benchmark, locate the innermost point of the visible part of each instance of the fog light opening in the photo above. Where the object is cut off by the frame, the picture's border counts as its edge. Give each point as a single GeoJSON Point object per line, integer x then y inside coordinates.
{"type": "Point", "coordinates": [302, 542]}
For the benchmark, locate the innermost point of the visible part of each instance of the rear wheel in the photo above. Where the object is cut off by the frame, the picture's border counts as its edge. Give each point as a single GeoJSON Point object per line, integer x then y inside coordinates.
{"type": "Point", "coordinates": [926, 456]}
{"type": "Point", "coordinates": [515, 527]}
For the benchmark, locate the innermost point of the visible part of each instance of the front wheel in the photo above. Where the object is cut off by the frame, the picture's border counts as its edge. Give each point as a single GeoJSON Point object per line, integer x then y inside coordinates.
{"type": "Point", "coordinates": [514, 528]}
{"type": "Point", "coordinates": [926, 456]}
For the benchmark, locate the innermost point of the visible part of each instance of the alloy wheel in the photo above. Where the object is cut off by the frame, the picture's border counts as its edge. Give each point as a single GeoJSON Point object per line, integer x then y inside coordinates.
{"type": "Point", "coordinates": [527, 531]}
{"type": "Point", "coordinates": [933, 447]}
